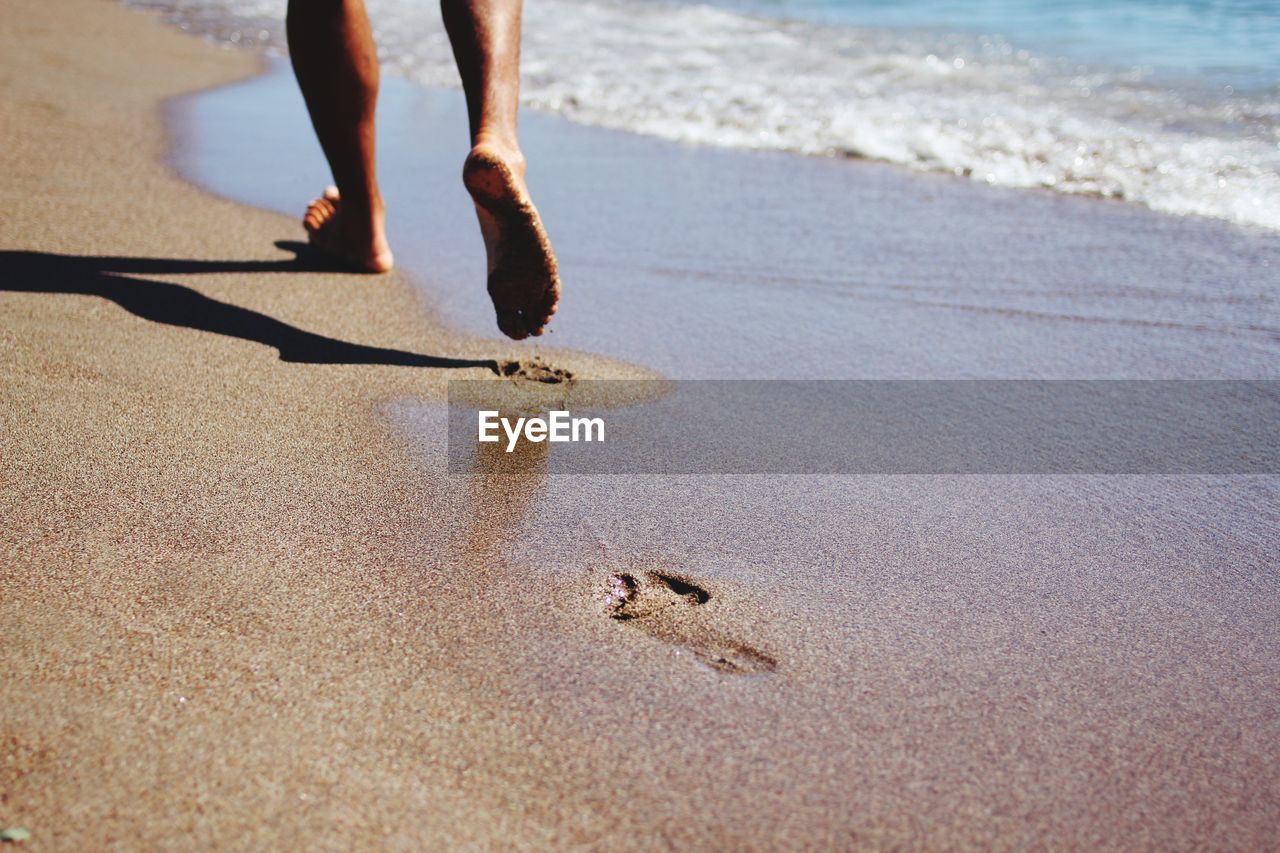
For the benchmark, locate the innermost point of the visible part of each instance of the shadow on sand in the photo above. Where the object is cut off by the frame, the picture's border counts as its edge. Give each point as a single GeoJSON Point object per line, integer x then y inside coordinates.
{"type": "Point", "coordinates": [176, 305]}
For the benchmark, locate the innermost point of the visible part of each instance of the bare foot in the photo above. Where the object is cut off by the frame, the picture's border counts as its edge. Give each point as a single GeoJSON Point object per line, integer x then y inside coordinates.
{"type": "Point", "coordinates": [523, 281]}
{"type": "Point", "coordinates": [359, 245]}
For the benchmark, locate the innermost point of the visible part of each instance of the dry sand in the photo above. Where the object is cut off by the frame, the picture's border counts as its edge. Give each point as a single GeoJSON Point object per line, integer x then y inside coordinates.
{"type": "Point", "coordinates": [240, 608]}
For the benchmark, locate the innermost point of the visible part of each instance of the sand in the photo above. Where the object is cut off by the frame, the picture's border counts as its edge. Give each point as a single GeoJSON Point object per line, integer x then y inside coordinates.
{"type": "Point", "coordinates": [186, 629]}
{"type": "Point", "coordinates": [243, 605]}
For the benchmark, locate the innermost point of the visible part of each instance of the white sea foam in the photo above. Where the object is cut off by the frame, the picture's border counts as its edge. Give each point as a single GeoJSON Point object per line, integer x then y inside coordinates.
{"type": "Point", "coordinates": [968, 106]}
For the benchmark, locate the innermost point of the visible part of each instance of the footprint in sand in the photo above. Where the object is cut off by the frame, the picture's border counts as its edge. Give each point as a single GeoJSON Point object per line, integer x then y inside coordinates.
{"type": "Point", "coordinates": [534, 370]}
{"type": "Point", "coordinates": [665, 606]}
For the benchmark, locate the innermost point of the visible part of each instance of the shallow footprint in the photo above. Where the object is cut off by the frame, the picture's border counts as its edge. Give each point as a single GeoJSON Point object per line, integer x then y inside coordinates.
{"type": "Point", "coordinates": [664, 606]}
{"type": "Point", "coordinates": [735, 658]}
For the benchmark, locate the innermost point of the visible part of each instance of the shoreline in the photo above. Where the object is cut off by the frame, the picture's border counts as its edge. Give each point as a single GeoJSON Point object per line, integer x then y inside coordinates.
{"type": "Point", "coordinates": [241, 602]}
{"type": "Point", "coordinates": [729, 264]}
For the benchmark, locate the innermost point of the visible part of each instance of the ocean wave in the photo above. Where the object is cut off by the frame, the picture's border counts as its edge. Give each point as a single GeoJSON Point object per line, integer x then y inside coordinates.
{"type": "Point", "coordinates": [965, 105]}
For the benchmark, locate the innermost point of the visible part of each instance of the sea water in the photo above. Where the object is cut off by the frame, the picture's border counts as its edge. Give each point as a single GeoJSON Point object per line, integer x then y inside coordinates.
{"type": "Point", "coordinates": [1174, 105]}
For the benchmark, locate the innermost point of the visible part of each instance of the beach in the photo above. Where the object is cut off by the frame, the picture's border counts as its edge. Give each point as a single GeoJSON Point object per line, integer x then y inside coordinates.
{"type": "Point", "coordinates": [246, 605]}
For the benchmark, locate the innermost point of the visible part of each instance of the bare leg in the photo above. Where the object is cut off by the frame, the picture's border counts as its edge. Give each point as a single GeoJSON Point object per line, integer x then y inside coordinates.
{"type": "Point", "coordinates": [336, 64]}
{"type": "Point", "coordinates": [523, 281]}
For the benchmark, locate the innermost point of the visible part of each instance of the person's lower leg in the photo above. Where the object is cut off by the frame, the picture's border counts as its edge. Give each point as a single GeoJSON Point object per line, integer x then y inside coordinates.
{"type": "Point", "coordinates": [486, 45]}
{"type": "Point", "coordinates": [523, 281]}
{"type": "Point", "coordinates": [336, 63]}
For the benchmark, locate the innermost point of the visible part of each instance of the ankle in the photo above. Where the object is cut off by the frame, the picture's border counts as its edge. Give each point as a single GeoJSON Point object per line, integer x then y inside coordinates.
{"type": "Point", "coordinates": [507, 149]}
{"type": "Point", "coordinates": [364, 213]}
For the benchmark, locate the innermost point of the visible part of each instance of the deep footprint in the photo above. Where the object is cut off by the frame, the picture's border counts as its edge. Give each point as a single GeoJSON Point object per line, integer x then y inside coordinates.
{"type": "Point", "coordinates": [534, 370]}
{"type": "Point", "coordinates": [663, 606]}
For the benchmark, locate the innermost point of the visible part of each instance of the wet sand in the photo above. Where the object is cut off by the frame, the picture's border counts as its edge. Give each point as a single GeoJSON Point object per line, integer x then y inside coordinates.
{"type": "Point", "coordinates": [244, 606]}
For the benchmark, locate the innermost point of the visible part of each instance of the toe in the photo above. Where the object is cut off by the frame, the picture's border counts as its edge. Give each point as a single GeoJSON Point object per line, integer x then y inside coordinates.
{"type": "Point", "coordinates": [533, 316]}
{"type": "Point", "coordinates": [535, 325]}
{"type": "Point", "coordinates": [319, 212]}
{"type": "Point", "coordinates": [511, 325]}
{"type": "Point", "coordinates": [541, 314]}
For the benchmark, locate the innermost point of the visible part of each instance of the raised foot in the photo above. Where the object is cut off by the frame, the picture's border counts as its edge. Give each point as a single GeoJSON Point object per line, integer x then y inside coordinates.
{"type": "Point", "coordinates": [523, 281]}
{"type": "Point", "coordinates": [358, 246]}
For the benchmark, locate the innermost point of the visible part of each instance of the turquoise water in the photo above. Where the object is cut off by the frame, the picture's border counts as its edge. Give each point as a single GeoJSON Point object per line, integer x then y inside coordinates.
{"type": "Point", "coordinates": [1218, 42]}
